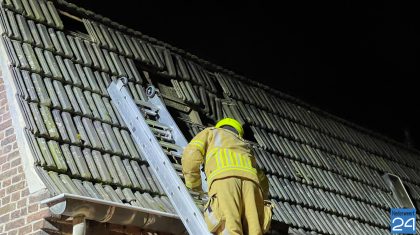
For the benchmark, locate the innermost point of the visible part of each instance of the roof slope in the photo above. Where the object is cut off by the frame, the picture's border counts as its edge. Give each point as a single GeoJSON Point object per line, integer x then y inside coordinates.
{"type": "Point", "coordinates": [325, 173]}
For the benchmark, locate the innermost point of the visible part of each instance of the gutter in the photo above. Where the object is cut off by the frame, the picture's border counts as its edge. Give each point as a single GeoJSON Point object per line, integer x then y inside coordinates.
{"type": "Point", "coordinates": [83, 208]}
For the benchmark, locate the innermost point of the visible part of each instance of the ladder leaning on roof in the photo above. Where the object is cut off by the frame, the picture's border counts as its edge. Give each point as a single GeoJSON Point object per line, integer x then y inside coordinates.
{"type": "Point", "coordinates": [143, 132]}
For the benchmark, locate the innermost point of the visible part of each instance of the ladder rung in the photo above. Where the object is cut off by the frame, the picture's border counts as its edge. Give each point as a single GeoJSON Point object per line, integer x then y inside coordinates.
{"type": "Point", "coordinates": [165, 135]}
{"type": "Point", "coordinates": [155, 124]}
{"type": "Point", "coordinates": [148, 108]}
{"type": "Point", "coordinates": [177, 167]}
{"type": "Point", "coordinates": [175, 155]}
{"type": "Point", "coordinates": [149, 112]}
{"type": "Point", "coordinates": [146, 105]}
{"type": "Point", "coordinates": [171, 146]}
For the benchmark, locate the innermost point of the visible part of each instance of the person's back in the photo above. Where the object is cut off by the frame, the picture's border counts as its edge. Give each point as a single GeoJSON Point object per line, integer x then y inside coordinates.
{"type": "Point", "coordinates": [236, 204]}
{"type": "Point", "coordinates": [227, 155]}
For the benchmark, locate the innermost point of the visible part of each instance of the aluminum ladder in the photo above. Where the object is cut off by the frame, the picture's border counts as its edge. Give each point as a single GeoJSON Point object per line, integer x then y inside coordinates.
{"type": "Point", "coordinates": [143, 131]}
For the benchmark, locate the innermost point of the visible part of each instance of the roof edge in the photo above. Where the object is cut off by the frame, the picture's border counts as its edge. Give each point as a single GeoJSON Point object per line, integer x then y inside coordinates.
{"type": "Point", "coordinates": [34, 182]}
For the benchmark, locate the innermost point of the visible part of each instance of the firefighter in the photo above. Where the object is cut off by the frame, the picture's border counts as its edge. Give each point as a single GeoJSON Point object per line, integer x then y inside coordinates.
{"type": "Point", "coordinates": [236, 199]}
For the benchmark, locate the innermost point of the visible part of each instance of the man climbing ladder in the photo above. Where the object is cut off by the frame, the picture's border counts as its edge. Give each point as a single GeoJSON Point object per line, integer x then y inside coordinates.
{"type": "Point", "coordinates": [236, 187]}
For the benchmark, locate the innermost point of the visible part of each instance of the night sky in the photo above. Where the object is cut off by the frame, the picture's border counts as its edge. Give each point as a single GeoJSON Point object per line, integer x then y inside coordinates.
{"type": "Point", "coordinates": [357, 61]}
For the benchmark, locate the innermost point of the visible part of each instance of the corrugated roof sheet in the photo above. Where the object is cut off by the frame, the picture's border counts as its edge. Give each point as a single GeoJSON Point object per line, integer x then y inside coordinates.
{"type": "Point", "coordinates": [324, 173]}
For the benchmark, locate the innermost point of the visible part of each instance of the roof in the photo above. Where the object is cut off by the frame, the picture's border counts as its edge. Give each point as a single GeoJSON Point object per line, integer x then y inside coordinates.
{"type": "Point", "coordinates": [325, 173]}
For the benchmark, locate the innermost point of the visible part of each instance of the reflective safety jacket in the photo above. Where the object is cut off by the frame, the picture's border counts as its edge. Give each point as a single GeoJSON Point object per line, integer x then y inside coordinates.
{"type": "Point", "coordinates": [223, 153]}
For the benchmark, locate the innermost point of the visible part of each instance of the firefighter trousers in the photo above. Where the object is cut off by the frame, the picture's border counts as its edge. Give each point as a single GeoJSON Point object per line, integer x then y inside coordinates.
{"type": "Point", "coordinates": [241, 204]}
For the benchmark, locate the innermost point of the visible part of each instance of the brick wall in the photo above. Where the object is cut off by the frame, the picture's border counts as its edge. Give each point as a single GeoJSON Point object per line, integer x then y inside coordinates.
{"type": "Point", "coordinates": [20, 212]}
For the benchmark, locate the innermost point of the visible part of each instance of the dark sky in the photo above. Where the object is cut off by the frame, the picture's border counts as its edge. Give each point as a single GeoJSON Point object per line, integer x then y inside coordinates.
{"type": "Point", "coordinates": [357, 60]}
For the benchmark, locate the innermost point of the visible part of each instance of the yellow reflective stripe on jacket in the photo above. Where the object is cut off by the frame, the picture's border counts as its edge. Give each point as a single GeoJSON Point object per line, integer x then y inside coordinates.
{"type": "Point", "coordinates": [227, 157]}
{"type": "Point", "coordinates": [226, 160]}
{"type": "Point", "coordinates": [193, 184]}
{"type": "Point", "coordinates": [199, 144]}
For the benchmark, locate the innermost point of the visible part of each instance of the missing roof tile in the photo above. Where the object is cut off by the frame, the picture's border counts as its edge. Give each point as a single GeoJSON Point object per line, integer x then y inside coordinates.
{"type": "Point", "coordinates": [74, 24]}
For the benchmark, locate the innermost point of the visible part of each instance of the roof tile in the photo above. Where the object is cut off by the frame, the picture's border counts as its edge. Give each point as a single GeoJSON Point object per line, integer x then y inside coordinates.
{"type": "Point", "coordinates": [64, 44]}
{"type": "Point", "coordinates": [45, 36]}
{"type": "Point", "coordinates": [73, 73]}
{"type": "Point", "coordinates": [108, 113]}
{"type": "Point", "coordinates": [24, 29]}
{"type": "Point", "coordinates": [126, 51]}
{"type": "Point", "coordinates": [102, 63]}
{"type": "Point", "coordinates": [70, 127]}
{"type": "Point", "coordinates": [28, 91]}
{"type": "Point", "coordinates": [49, 122]}
{"type": "Point", "coordinates": [39, 157]}
{"type": "Point", "coordinates": [93, 84]}
{"type": "Point", "coordinates": [113, 195]}
{"type": "Point", "coordinates": [102, 168]}
{"type": "Point", "coordinates": [92, 190]}
{"type": "Point", "coordinates": [44, 65]}
{"type": "Point", "coordinates": [86, 59]}
{"type": "Point", "coordinates": [92, 55]}
{"type": "Point", "coordinates": [110, 62]}
{"type": "Point", "coordinates": [31, 58]}
{"type": "Point", "coordinates": [80, 161]}
{"type": "Point", "coordinates": [107, 40]}
{"type": "Point", "coordinates": [21, 60]}
{"type": "Point", "coordinates": [77, 94]}
{"type": "Point", "coordinates": [138, 171]}
{"type": "Point", "coordinates": [70, 160]}
{"type": "Point", "coordinates": [111, 168]}
{"type": "Point", "coordinates": [91, 104]}
{"type": "Point", "coordinates": [47, 16]}
{"type": "Point", "coordinates": [102, 191]}
{"type": "Point", "coordinates": [82, 135]}
{"type": "Point", "coordinates": [69, 184]}
{"type": "Point", "coordinates": [143, 57]}
{"type": "Point", "coordinates": [76, 54]}
{"type": "Point", "coordinates": [102, 136]}
{"type": "Point", "coordinates": [15, 5]}
{"type": "Point", "coordinates": [55, 178]}
{"type": "Point", "coordinates": [42, 130]}
{"type": "Point", "coordinates": [131, 174]}
{"type": "Point", "coordinates": [62, 96]}
{"type": "Point", "coordinates": [118, 45]}
{"type": "Point", "coordinates": [38, 14]}
{"type": "Point", "coordinates": [118, 65]}
{"type": "Point", "coordinates": [60, 125]}
{"type": "Point", "coordinates": [54, 14]}
{"type": "Point", "coordinates": [92, 134]}
{"type": "Point", "coordinates": [130, 144]}
{"type": "Point", "coordinates": [87, 154]}
{"type": "Point", "coordinates": [52, 94]}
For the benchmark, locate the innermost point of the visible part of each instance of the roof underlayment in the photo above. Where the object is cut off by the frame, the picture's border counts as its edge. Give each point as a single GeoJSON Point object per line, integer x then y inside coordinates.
{"type": "Point", "coordinates": [325, 173]}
